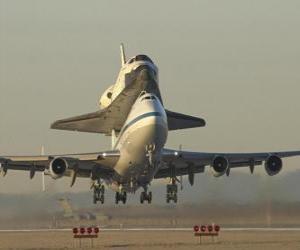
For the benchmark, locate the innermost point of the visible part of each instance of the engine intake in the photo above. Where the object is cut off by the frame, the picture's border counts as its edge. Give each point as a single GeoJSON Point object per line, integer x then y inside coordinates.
{"type": "Point", "coordinates": [219, 166]}
{"type": "Point", "coordinates": [58, 167]}
{"type": "Point", "coordinates": [273, 165]}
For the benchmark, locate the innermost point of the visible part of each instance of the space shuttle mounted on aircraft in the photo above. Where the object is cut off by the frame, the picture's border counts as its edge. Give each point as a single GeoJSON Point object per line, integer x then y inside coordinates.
{"type": "Point", "coordinates": [132, 112]}
{"type": "Point", "coordinates": [137, 74]}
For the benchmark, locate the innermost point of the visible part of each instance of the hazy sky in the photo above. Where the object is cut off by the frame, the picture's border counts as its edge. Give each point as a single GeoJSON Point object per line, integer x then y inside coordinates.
{"type": "Point", "coordinates": [235, 63]}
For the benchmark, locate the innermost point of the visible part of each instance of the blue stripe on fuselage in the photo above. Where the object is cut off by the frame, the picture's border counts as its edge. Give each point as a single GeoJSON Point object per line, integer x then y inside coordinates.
{"type": "Point", "coordinates": [135, 120]}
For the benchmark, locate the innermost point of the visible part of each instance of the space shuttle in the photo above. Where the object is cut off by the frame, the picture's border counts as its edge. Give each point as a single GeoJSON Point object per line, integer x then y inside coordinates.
{"type": "Point", "coordinates": [137, 74]}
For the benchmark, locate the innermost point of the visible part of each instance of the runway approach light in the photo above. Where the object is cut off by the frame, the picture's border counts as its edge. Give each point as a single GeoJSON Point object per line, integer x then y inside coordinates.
{"type": "Point", "coordinates": [206, 230]}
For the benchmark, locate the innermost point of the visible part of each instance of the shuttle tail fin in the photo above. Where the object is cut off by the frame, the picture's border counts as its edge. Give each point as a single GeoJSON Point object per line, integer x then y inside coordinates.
{"type": "Point", "coordinates": [123, 57]}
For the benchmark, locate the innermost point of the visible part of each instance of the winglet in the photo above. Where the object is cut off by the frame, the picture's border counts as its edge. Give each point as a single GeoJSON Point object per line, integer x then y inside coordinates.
{"type": "Point", "coordinates": [123, 58]}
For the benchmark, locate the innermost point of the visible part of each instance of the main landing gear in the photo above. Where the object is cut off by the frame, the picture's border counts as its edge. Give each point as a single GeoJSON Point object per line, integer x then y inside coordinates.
{"type": "Point", "coordinates": [121, 196]}
{"type": "Point", "coordinates": [146, 196]}
{"type": "Point", "coordinates": [172, 190]}
{"type": "Point", "coordinates": [99, 191]}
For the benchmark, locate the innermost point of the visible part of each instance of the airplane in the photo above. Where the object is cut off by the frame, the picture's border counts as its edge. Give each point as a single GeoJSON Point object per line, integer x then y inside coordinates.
{"type": "Point", "coordinates": [79, 214]}
{"type": "Point", "coordinates": [133, 114]}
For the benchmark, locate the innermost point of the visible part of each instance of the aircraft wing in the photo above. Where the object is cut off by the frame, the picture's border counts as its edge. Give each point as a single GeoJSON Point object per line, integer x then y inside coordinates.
{"type": "Point", "coordinates": [183, 162]}
{"type": "Point", "coordinates": [105, 120]}
{"type": "Point", "coordinates": [95, 165]}
{"type": "Point", "coordinates": [182, 121]}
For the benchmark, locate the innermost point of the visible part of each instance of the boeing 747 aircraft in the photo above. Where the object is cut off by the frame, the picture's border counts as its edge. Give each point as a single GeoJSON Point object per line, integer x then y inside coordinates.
{"type": "Point", "coordinates": [133, 114]}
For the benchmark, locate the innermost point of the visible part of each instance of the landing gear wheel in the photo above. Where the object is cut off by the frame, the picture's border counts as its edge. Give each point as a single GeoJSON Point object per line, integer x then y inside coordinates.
{"type": "Point", "coordinates": [146, 197]}
{"type": "Point", "coordinates": [102, 199]}
{"type": "Point", "coordinates": [124, 197]}
{"type": "Point", "coordinates": [142, 197]}
{"type": "Point", "coordinates": [117, 197]}
{"type": "Point", "coordinates": [149, 197]}
{"type": "Point", "coordinates": [121, 197]}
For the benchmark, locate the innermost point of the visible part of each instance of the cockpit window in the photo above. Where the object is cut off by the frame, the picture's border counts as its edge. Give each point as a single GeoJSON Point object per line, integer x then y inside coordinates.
{"type": "Point", "coordinates": [143, 93]}
{"type": "Point", "coordinates": [146, 98]}
{"type": "Point", "coordinates": [149, 97]}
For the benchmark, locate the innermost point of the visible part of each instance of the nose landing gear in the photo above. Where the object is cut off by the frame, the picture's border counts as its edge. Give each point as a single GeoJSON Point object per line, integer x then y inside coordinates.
{"type": "Point", "coordinates": [146, 196]}
{"type": "Point", "coordinates": [172, 190]}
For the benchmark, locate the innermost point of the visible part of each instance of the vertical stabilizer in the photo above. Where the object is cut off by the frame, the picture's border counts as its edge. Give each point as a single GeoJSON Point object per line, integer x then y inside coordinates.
{"type": "Point", "coordinates": [68, 211]}
{"type": "Point", "coordinates": [123, 58]}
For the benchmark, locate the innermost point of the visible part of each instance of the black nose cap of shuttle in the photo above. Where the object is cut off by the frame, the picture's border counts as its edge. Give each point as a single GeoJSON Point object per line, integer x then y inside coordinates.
{"type": "Point", "coordinates": [147, 80]}
{"type": "Point", "coordinates": [145, 73]}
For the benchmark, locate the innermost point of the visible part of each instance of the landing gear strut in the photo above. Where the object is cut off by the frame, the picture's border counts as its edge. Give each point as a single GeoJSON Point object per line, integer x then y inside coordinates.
{"type": "Point", "coordinates": [121, 196]}
{"type": "Point", "coordinates": [172, 192]}
{"type": "Point", "coordinates": [146, 196]}
{"type": "Point", "coordinates": [99, 191]}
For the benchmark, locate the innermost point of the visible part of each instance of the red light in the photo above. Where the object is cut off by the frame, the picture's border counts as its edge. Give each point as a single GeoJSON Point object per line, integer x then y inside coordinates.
{"type": "Point", "coordinates": [82, 230]}
{"type": "Point", "coordinates": [210, 228]}
{"type": "Point", "coordinates": [96, 230]}
{"type": "Point", "coordinates": [75, 230]}
{"type": "Point", "coordinates": [89, 230]}
{"type": "Point", "coordinates": [217, 228]}
{"type": "Point", "coordinates": [196, 228]}
{"type": "Point", "coordinates": [203, 228]}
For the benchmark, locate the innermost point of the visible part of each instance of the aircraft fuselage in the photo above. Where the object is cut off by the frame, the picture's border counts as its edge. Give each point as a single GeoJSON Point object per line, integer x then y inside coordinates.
{"type": "Point", "coordinates": [140, 143]}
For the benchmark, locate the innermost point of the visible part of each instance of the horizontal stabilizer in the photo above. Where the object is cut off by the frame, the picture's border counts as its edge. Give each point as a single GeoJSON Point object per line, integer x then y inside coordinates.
{"type": "Point", "coordinates": [182, 121]}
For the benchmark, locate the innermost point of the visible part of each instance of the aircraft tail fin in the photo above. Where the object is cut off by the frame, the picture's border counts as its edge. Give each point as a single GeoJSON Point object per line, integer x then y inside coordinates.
{"type": "Point", "coordinates": [123, 57]}
{"type": "Point", "coordinates": [68, 211]}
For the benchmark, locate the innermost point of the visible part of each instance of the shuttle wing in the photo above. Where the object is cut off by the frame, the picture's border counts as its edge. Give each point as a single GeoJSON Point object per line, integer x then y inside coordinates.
{"type": "Point", "coordinates": [102, 121]}
{"type": "Point", "coordinates": [183, 162]}
{"type": "Point", "coordinates": [182, 121]}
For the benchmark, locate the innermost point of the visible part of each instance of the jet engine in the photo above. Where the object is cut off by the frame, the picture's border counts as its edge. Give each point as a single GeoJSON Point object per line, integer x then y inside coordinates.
{"type": "Point", "coordinates": [57, 167]}
{"type": "Point", "coordinates": [219, 166]}
{"type": "Point", "coordinates": [273, 165]}
{"type": "Point", "coordinates": [106, 98]}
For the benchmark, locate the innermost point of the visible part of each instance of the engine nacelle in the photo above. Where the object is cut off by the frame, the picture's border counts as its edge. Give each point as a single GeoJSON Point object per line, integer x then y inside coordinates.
{"type": "Point", "coordinates": [219, 166]}
{"type": "Point", "coordinates": [106, 98]}
{"type": "Point", "coordinates": [58, 167]}
{"type": "Point", "coordinates": [273, 165]}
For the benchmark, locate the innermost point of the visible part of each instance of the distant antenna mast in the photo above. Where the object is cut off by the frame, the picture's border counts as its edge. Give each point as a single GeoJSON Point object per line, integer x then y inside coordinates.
{"type": "Point", "coordinates": [43, 173]}
{"type": "Point", "coordinates": [123, 58]}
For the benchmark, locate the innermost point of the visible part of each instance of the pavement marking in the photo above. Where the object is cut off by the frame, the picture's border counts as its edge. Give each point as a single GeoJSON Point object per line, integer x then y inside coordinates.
{"type": "Point", "coordinates": [266, 229]}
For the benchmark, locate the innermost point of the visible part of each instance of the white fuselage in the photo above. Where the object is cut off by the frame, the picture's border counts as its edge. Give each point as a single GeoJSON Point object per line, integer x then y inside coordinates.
{"type": "Point", "coordinates": [140, 143]}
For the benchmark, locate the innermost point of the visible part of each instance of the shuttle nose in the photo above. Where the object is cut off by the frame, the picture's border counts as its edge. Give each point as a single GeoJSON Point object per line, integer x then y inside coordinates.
{"type": "Point", "coordinates": [145, 73]}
